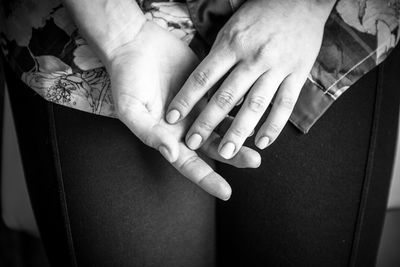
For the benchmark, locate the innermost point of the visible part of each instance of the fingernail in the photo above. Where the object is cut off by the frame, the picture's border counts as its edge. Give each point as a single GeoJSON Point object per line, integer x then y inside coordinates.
{"type": "Point", "coordinates": [164, 151]}
{"type": "Point", "coordinates": [262, 142]}
{"type": "Point", "coordinates": [216, 187]}
{"type": "Point", "coordinates": [194, 141]}
{"type": "Point", "coordinates": [226, 193]}
{"type": "Point", "coordinates": [252, 133]}
{"type": "Point", "coordinates": [227, 150]}
{"type": "Point", "coordinates": [173, 116]}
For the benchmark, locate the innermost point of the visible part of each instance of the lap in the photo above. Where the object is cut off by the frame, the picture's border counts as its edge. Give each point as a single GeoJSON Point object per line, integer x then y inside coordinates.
{"type": "Point", "coordinates": [126, 201]}
{"type": "Point", "coordinates": [101, 197]}
{"type": "Point", "coordinates": [308, 203]}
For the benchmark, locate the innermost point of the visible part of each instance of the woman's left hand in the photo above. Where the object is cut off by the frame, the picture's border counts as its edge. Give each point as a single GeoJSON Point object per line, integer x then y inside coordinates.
{"type": "Point", "coordinates": [267, 50]}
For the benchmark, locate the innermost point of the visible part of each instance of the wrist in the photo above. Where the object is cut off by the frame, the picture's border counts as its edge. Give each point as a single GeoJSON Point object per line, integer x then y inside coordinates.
{"type": "Point", "coordinates": [120, 38]}
{"type": "Point", "coordinates": [323, 8]}
{"type": "Point", "coordinates": [107, 24]}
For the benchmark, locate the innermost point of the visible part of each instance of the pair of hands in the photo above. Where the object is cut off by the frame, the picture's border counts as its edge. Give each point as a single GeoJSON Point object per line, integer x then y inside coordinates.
{"type": "Point", "coordinates": [268, 49]}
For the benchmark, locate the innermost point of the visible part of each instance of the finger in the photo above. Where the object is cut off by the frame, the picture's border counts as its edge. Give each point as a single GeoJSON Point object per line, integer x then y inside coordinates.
{"type": "Point", "coordinates": [221, 103]}
{"type": "Point", "coordinates": [224, 125]}
{"type": "Point", "coordinates": [190, 165]}
{"type": "Point", "coordinates": [240, 102]}
{"type": "Point", "coordinates": [252, 133]}
{"type": "Point", "coordinates": [245, 157]}
{"type": "Point", "coordinates": [250, 113]}
{"type": "Point", "coordinates": [281, 110]}
{"type": "Point", "coordinates": [208, 73]}
{"type": "Point", "coordinates": [136, 117]}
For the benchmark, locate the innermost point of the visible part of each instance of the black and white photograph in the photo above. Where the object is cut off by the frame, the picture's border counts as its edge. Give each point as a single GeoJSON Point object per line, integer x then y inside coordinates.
{"type": "Point", "coordinates": [200, 133]}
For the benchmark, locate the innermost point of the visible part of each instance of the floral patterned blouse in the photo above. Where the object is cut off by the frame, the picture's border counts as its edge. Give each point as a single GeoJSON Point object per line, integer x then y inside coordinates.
{"type": "Point", "coordinates": [44, 47]}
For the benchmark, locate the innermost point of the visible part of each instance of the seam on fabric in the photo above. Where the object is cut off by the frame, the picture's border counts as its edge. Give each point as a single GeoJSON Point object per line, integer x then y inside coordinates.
{"type": "Point", "coordinates": [355, 67]}
{"type": "Point", "coordinates": [368, 170]}
{"type": "Point", "coordinates": [60, 182]}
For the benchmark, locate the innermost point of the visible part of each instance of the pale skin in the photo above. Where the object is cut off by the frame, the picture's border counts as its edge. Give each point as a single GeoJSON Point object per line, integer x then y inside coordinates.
{"type": "Point", "coordinates": [147, 66]}
{"type": "Point", "coordinates": [266, 50]}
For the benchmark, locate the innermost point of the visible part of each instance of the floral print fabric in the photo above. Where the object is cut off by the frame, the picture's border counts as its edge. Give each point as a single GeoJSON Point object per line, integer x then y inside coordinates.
{"type": "Point", "coordinates": [358, 36]}
{"type": "Point", "coordinates": [44, 47]}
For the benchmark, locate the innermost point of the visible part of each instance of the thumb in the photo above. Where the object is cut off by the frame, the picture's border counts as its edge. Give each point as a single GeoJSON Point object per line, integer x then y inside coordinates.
{"type": "Point", "coordinates": [160, 138]}
{"type": "Point", "coordinates": [138, 119]}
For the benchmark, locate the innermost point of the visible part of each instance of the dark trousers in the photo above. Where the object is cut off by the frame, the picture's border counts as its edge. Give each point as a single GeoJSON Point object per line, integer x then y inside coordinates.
{"type": "Point", "coordinates": [102, 198]}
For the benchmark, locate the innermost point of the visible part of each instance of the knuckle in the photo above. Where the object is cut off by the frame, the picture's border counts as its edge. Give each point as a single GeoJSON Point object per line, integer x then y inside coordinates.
{"type": "Point", "coordinates": [263, 58]}
{"type": "Point", "coordinates": [239, 132]}
{"type": "Point", "coordinates": [193, 160]}
{"type": "Point", "coordinates": [236, 37]}
{"type": "Point", "coordinates": [224, 99]}
{"type": "Point", "coordinates": [205, 125]}
{"type": "Point", "coordinates": [200, 79]}
{"type": "Point", "coordinates": [222, 36]}
{"type": "Point", "coordinates": [264, 55]}
{"type": "Point", "coordinates": [274, 129]}
{"type": "Point", "coordinates": [286, 102]}
{"type": "Point", "coordinates": [257, 103]}
{"type": "Point", "coordinates": [262, 52]}
{"type": "Point", "coordinates": [183, 103]}
{"type": "Point", "coordinates": [249, 67]}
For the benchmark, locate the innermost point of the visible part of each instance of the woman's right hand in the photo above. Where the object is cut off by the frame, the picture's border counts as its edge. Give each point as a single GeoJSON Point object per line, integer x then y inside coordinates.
{"type": "Point", "coordinates": [146, 74]}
